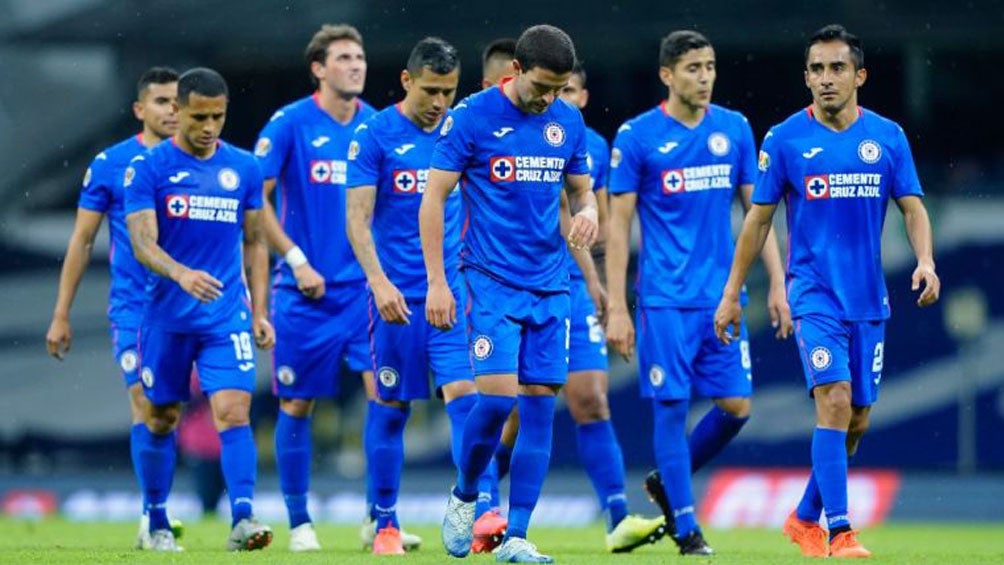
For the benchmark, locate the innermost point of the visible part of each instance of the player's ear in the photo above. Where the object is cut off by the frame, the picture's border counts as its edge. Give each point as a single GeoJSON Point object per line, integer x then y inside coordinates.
{"type": "Point", "coordinates": [860, 76]}
{"type": "Point", "coordinates": [585, 98]}
{"type": "Point", "coordinates": [317, 69]}
{"type": "Point", "coordinates": [517, 69]}
{"type": "Point", "coordinates": [137, 110]}
{"type": "Point", "coordinates": [405, 80]}
{"type": "Point", "coordinates": [666, 75]}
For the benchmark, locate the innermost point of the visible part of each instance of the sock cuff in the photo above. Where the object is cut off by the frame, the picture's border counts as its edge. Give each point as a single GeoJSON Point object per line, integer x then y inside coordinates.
{"type": "Point", "coordinates": [830, 432]}
{"type": "Point", "coordinates": [726, 416]}
{"type": "Point", "coordinates": [591, 428]}
{"type": "Point", "coordinates": [496, 403]}
{"type": "Point", "coordinates": [301, 420]}
{"type": "Point", "coordinates": [237, 434]}
{"type": "Point", "coordinates": [392, 413]}
{"type": "Point", "coordinates": [155, 439]}
{"type": "Point", "coordinates": [537, 401]}
{"type": "Point", "coordinates": [676, 408]}
{"type": "Point", "coordinates": [461, 404]}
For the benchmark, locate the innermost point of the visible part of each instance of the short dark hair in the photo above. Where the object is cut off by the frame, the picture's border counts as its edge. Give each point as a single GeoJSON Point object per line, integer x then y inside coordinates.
{"type": "Point", "coordinates": [837, 32]}
{"type": "Point", "coordinates": [504, 47]}
{"type": "Point", "coordinates": [547, 47]}
{"type": "Point", "coordinates": [155, 75]}
{"type": "Point", "coordinates": [433, 52]}
{"type": "Point", "coordinates": [579, 71]}
{"type": "Point", "coordinates": [317, 49]}
{"type": "Point", "coordinates": [202, 81]}
{"type": "Point", "coordinates": [677, 44]}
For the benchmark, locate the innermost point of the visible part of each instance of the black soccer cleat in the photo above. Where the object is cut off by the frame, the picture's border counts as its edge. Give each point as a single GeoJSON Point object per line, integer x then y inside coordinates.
{"type": "Point", "coordinates": [694, 544]}
{"type": "Point", "coordinates": [657, 494]}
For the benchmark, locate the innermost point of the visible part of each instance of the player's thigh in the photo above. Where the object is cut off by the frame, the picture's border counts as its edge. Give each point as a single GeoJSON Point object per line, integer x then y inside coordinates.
{"type": "Point", "coordinates": [400, 358]}
{"type": "Point", "coordinates": [309, 343]}
{"type": "Point", "coordinates": [125, 347]}
{"type": "Point", "coordinates": [867, 356]}
{"type": "Point", "coordinates": [668, 343]}
{"type": "Point", "coordinates": [226, 361]}
{"type": "Point", "coordinates": [494, 332]}
{"type": "Point", "coordinates": [543, 355]}
{"type": "Point", "coordinates": [166, 364]}
{"type": "Point", "coordinates": [449, 354]}
{"type": "Point", "coordinates": [723, 371]}
{"type": "Point", "coordinates": [587, 346]}
{"type": "Point", "coordinates": [823, 347]}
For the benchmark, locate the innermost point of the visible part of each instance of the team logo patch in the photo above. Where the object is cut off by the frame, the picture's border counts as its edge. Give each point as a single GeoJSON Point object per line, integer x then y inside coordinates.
{"type": "Point", "coordinates": [503, 169]}
{"type": "Point", "coordinates": [447, 125]}
{"type": "Point", "coordinates": [821, 358]}
{"type": "Point", "coordinates": [615, 158]}
{"type": "Point", "coordinates": [870, 151]}
{"type": "Point", "coordinates": [482, 347]}
{"type": "Point", "coordinates": [128, 361]}
{"type": "Point", "coordinates": [718, 144]}
{"type": "Point", "coordinates": [130, 173]}
{"type": "Point", "coordinates": [656, 376]}
{"type": "Point", "coordinates": [228, 179]}
{"type": "Point", "coordinates": [146, 375]}
{"type": "Point", "coordinates": [262, 148]}
{"type": "Point", "coordinates": [672, 181]}
{"type": "Point", "coordinates": [353, 150]}
{"type": "Point", "coordinates": [87, 177]}
{"type": "Point", "coordinates": [405, 181]}
{"type": "Point", "coordinates": [763, 161]}
{"type": "Point", "coordinates": [285, 375]}
{"type": "Point", "coordinates": [554, 134]}
{"type": "Point", "coordinates": [177, 206]}
{"type": "Point", "coordinates": [817, 187]}
{"type": "Point", "coordinates": [320, 171]}
{"type": "Point", "coordinates": [388, 377]}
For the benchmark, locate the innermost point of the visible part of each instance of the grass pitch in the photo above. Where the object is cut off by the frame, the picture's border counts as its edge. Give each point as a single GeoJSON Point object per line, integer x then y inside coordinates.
{"type": "Point", "coordinates": [57, 541]}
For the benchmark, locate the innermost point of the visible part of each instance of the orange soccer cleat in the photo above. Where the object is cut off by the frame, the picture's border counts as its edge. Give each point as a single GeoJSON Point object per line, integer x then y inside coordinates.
{"type": "Point", "coordinates": [809, 536]}
{"type": "Point", "coordinates": [489, 530]}
{"type": "Point", "coordinates": [846, 545]}
{"type": "Point", "coordinates": [388, 542]}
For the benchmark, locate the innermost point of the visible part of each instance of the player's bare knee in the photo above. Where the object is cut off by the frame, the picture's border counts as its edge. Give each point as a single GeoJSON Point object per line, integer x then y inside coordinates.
{"type": "Point", "coordinates": [737, 406]}
{"type": "Point", "coordinates": [539, 390]}
{"type": "Point", "coordinates": [587, 408]}
{"type": "Point", "coordinates": [231, 409]}
{"type": "Point", "coordinates": [139, 404]}
{"type": "Point", "coordinates": [833, 405]}
{"type": "Point", "coordinates": [297, 407]}
{"type": "Point", "coordinates": [163, 419]}
{"type": "Point", "coordinates": [457, 389]}
{"type": "Point", "coordinates": [400, 405]}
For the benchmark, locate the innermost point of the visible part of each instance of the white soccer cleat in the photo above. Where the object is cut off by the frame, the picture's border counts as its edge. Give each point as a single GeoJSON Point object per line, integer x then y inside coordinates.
{"type": "Point", "coordinates": [163, 540]}
{"type": "Point", "coordinates": [518, 550]}
{"type": "Point", "coordinates": [367, 533]}
{"type": "Point", "coordinates": [248, 535]}
{"type": "Point", "coordinates": [304, 538]}
{"type": "Point", "coordinates": [143, 540]}
{"type": "Point", "coordinates": [458, 526]}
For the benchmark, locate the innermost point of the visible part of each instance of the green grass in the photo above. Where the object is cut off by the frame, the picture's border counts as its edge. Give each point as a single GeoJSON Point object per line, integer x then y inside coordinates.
{"type": "Point", "coordinates": [57, 541]}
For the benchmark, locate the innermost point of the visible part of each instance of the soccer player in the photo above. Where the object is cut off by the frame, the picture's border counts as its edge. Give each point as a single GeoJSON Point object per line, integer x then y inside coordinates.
{"type": "Point", "coordinates": [496, 61]}
{"type": "Point", "coordinates": [836, 165]}
{"type": "Point", "coordinates": [188, 204]}
{"type": "Point", "coordinates": [680, 164]}
{"type": "Point", "coordinates": [388, 168]}
{"type": "Point", "coordinates": [515, 147]}
{"type": "Point", "coordinates": [101, 195]}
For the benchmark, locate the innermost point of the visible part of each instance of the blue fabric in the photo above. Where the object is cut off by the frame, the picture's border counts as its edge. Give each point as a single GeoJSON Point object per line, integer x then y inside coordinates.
{"type": "Point", "coordinates": [157, 456]}
{"type": "Point", "coordinates": [458, 410]}
{"type": "Point", "coordinates": [715, 430]}
{"type": "Point", "coordinates": [293, 450]}
{"type": "Point", "coordinates": [386, 456]}
{"type": "Point", "coordinates": [600, 454]}
{"type": "Point", "coordinates": [136, 439]}
{"type": "Point", "coordinates": [481, 437]}
{"type": "Point", "coordinates": [829, 466]}
{"type": "Point", "coordinates": [239, 461]}
{"type": "Point", "coordinates": [672, 454]}
{"type": "Point", "coordinates": [530, 459]}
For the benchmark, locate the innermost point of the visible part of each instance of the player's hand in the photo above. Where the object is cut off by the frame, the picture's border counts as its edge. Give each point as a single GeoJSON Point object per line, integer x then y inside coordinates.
{"type": "Point", "coordinates": [599, 296]}
{"type": "Point", "coordinates": [620, 333]}
{"type": "Point", "coordinates": [390, 303]}
{"type": "Point", "coordinates": [200, 284]}
{"type": "Point", "coordinates": [584, 228]}
{"type": "Point", "coordinates": [728, 316]}
{"type": "Point", "coordinates": [309, 281]}
{"type": "Point", "coordinates": [440, 306]}
{"type": "Point", "coordinates": [264, 333]}
{"type": "Point", "coordinates": [58, 338]}
{"type": "Point", "coordinates": [780, 312]}
{"type": "Point", "coordinates": [932, 285]}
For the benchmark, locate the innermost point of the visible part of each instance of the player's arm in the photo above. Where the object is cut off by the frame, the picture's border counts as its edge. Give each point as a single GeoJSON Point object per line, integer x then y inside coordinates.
{"type": "Point", "coordinates": [388, 298]}
{"type": "Point", "coordinates": [751, 240]}
{"type": "Point", "coordinates": [308, 280]}
{"type": "Point", "coordinates": [918, 230]}
{"type": "Point", "coordinates": [143, 234]}
{"type": "Point", "coordinates": [777, 301]}
{"type": "Point", "coordinates": [620, 329]}
{"type": "Point", "coordinates": [440, 305]}
{"type": "Point", "coordinates": [78, 255]}
{"type": "Point", "coordinates": [257, 257]}
{"type": "Point", "coordinates": [584, 259]}
{"type": "Point", "coordinates": [582, 205]}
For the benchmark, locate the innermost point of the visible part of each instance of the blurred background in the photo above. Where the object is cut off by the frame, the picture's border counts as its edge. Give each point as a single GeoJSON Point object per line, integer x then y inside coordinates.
{"type": "Point", "coordinates": [69, 68]}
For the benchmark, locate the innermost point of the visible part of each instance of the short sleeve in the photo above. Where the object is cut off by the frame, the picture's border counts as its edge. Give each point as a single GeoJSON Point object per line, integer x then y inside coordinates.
{"type": "Point", "coordinates": [770, 182]}
{"type": "Point", "coordinates": [747, 154]}
{"type": "Point", "coordinates": [273, 145]}
{"type": "Point", "coordinates": [139, 183]}
{"type": "Point", "coordinates": [96, 189]}
{"type": "Point", "coordinates": [365, 158]}
{"type": "Point", "coordinates": [578, 164]}
{"type": "Point", "coordinates": [905, 181]}
{"type": "Point", "coordinates": [455, 146]}
{"type": "Point", "coordinates": [625, 162]}
{"type": "Point", "coordinates": [253, 195]}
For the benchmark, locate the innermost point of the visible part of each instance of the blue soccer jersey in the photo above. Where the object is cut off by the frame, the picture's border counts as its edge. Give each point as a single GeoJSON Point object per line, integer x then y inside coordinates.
{"type": "Point", "coordinates": [599, 174]}
{"type": "Point", "coordinates": [102, 192]}
{"type": "Point", "coordinates": [391, 153]}
{"type": "Point", "coordinates": [200, 205]}
{"type": "Point", "coordinates": [685, 180]}
{"type": "Point", "coordinates": [305, 150]}
{"type": "Point", "coordinates": [513, 166]}
{"type": "Point", "coordinates": [836, 187]}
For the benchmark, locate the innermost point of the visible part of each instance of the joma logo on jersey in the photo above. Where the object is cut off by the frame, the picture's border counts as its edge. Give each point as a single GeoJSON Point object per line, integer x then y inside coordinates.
{"type": "Point", "coordinates": [410, 181]}
{"type": "Point", "coordinates": [843, 185]}
{"type": "Point", "coordinates": [328, 171]}
{"type": "Point", "coordinates": [524, 168]}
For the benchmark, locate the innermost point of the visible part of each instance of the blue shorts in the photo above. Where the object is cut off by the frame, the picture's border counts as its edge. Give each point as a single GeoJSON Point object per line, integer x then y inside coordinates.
{"type": "Point", "coordinates": [678, 351]}
{"type": "Point", "coordinates": [224, 360]}
{"type": "Point", "coordinates": [833, 350]}
{"type": "Point", "coordinates": [124, 349]}
{"type": "Point", "coordinates": [313, 336]}
{"type": "Point", "coordinates": [517, 332]}
{"type": "Point", "coordinates": [403, 356]}
{"type": "Point", "coordinates": [587, 349]}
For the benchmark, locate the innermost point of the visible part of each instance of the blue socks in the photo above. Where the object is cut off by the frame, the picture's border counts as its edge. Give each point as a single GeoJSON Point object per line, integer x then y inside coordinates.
{"type": "Point", "coordinates": [530, 459]}
{"type": "Point", "coordinates": [829, 468]}
{"type": "Point", "coordinates": [239, 461]}
{"type": "Point", "coordinates": [367, 437]}
{"type": "Point", "coordinates": [156, 455]}
{"type": "Point", "coordinates": [481, 436]}
{"type": "Point", "coordinates": [292, 458]}
{"type": "Point", "coordinates": [135, 443]}
{"type": "Point", "coordinates": [385, 452]}
{"type": "Point", "coordinates": [712, 433]}
{"type": "Point", "coordinates": [458, 410]}
{"type": "Point", "coordinates": [672, 454]}
{"type": "Point", "coordinates": [600, 454]}
{"type": "Point", "coordinates": [503, 458]}
{"type": "Point", "coordinates": [811, 506]}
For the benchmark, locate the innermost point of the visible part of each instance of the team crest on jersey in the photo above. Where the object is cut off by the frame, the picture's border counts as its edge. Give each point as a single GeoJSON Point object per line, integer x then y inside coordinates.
{"type": "Point", "coordinates": [554, 134]}
{"type": "Point", "coordinates": [228, 179]}
{"type": "Point", "coordinates": [130, 174]}
{"type": "Point", "coordinates": [656, 376]}
{"type": "Point", "coordinates": [262, 148]}
{"type": "Point", "coordinates": [285, 375]}
{"type": "Point", "coordinates": [353, 150]}
{"type": "Point", "coordinates": [503, 169]}
{"type": "Point", "coordinates": [821, 358]}
{"type": "Point", "coordinates": [817, 187]}
{"type": "Point", "coordinates": [410, 181]}
{"type": "Point", "coordinates": [388, 377]}
{"type": "Point", "coordinates": [128, 361]}
{"type": "Point", "coordinates": [672, 181]}
{"type": "Point", "coordinates": [615, 158]}
{"type": "Point", "coordinates": [763, 161]}
{"type": "Point", "coordinates": [870, 151]}
{"type": "Point", "coordinates": [177, 206]}
{"type": "Point", "coordinates": [718, 144]}
{"type": "Point", "coordinates": [482, 347]}
{"type": "Point", "coordinates": [146, 375]}
{"type": "Point", "coordinates": [87, 177]}
{"type": "Point", "coordinates": [447, 125]}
